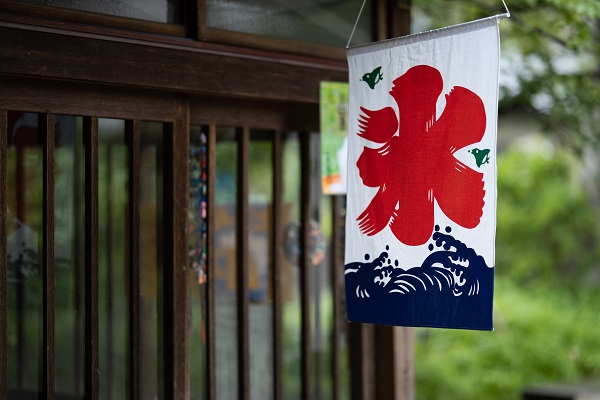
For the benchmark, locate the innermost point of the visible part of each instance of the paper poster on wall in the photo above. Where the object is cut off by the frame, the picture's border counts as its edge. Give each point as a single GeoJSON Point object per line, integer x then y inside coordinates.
{"type": "Point", "coordinates": [421, 210]}
{"type": "Point", "coordinates": [334, 142]}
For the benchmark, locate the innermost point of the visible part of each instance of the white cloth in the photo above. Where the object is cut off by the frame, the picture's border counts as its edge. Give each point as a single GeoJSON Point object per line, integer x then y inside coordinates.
{"type": "Point", "coordinates": [422, 159]}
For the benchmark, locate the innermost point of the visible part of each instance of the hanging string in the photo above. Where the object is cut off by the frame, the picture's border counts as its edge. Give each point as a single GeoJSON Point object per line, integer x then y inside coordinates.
{"type": "Point", "coordinates": [505, 15]}
{"type": "Point", "coordinates": [356, 23]}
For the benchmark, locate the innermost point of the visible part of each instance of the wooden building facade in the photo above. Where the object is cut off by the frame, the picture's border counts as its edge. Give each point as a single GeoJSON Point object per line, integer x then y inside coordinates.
{"type": "Point", "coordinates": [162, 233]}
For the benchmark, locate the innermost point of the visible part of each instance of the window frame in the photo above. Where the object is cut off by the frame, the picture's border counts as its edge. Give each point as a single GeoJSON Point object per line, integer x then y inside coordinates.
{"type": "Point", "coordinates": [388, 21]}
{"type": "Point", "coordinates": [133, 106]}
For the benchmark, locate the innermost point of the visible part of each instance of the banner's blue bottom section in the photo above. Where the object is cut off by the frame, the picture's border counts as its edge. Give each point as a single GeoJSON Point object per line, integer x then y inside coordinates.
{"type": "Point", "coordinates": [453, 288]}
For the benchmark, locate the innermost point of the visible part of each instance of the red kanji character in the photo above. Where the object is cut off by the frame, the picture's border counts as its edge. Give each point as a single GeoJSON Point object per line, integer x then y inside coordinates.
{"type": "Point", "coordinates": [417, 165]}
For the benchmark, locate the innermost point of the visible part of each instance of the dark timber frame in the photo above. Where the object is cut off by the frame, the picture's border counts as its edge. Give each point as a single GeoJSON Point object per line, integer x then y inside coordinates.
{"type": "Point", "coordinates": [37, 74]}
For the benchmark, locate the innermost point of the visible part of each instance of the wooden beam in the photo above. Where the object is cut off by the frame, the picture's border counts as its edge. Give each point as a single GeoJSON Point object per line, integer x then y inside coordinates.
{"type": "Point", "coordinates": [174, 67]}
{"type": "Point", "coordinates": [33, 95]}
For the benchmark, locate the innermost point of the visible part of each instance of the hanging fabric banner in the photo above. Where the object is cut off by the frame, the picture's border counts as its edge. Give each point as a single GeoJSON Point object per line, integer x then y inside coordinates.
{"type": "Point", "coordinates": [421, 209]}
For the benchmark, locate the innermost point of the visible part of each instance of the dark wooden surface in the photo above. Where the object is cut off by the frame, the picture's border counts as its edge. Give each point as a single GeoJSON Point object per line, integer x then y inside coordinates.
{"type": "Point", "coordinates": [395, 370]}
{"type": "Point", "coordinates": [91, 366]}
{"type": "Point", "coordinates": [132, 137]}
{"type": "Point", "coordinates": [305, 267]}
{"type": "Point", "coordinates": [3, 257]}
{"type": "Point", "coordinates": [258, 114]}
{"type": "Point", "coordinates": [34, 95]}
{"type": "Point", "coordinates": [77, 69]}
{"type": "Point", "coordinates": [46, 129]}
{"type": "Point", "coordinates": [79, 264]}
{"type": "Point", "coordinates": [194, 27]}
{"type": "Point", "coordinates": [211, 352]}
{"type": "Point", "coordinates": [276, 249]}
{"type": "Point", "coordinates": [176, 315]}
{"type": "Point", "coordinates": [53, 54]}
{"type": "Point", "coordinates": [180, 180]}
{"type": "Point", "coordinates": [242, 239]}
{"type": "Point", "coordinates": [362, 361]}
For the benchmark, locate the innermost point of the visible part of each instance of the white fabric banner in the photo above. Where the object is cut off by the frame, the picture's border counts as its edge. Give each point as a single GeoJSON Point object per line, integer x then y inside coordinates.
{"type": "Point", "coordinates": [421, 210]}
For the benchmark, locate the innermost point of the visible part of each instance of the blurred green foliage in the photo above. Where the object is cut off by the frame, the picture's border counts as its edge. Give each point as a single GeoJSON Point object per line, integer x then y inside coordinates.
{"type": "Point", "coordinates": [545, 308]}
{"type": "Point", "coordinates": [542, 335]}
{"type": "Point", "coordinates": [548, 227]}
{"type": "Point", "coordinates": [550, 53]}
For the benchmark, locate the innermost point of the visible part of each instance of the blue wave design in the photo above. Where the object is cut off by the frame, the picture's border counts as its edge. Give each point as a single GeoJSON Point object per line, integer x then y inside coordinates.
{"type": "Point", "coordinates": [452, 288]}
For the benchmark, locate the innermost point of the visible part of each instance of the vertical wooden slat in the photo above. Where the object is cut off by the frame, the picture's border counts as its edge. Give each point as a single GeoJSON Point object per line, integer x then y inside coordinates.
{"type": "Point", "coordinates": [202, 20]}
{"type": "Point", "coordinates": [190, 16]}
{"type": "Point", "coordinates": [176, 315]}
{"type": "Point", "coordinates": [405, 367]}
{"type": "Point", "coordinates": [46, 126]}
{"type": "Point", "coordinates": [336, 264]}
{"type": "Point", "coordinates": [92, 372]}
{"type": "Point", "coordinates": [201, 9]}
{"type": "Point", "coordinates": [277, 245]}
{"type": "Point", "coordinates": [132, 134]}
{"type": "Point", "coordinates": [362, 361]}
{"type": "Point", "coordinates": [305, 267]}
{"type": "Point", "coordinates": [78, 267]}
{"type": "Point", "coordinates": [3, 257]}
{"type": "Point", "coordinates": [211, 355]}
{"type": "Point", "coordinates": [380, 19]}
{"type": "Point", "coordinates": [162, 300]}
{"type": "Point", "coordinates": [21, 187]}
{"type": "Point", "coordinates": [400, 18]}
{"type": "Point", "coordinates": [108, 235]}
{"type": "Point", "coordinates": [243, 140]}
{"type": "Point", "coordinates": [395, 371]}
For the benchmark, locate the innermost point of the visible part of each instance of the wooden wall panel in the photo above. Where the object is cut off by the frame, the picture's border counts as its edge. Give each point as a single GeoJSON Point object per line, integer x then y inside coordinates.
{"type": "Point", "coordinates": [3, 257]}
{"type": "Point", "coordinates": [53, 55]}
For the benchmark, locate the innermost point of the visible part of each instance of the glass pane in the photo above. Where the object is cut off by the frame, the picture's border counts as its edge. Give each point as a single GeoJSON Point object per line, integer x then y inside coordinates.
{"type": "Point", "coordinates": [290, 274]}
{"type": "Point", "coordinates": [151, 260]}
{"type": "Point", "coordinates": [69, 248]}
{"type": "Point", "coordinates": [260, 263]}
{"type": "Point", "coordinates": [113, 278]}
{"type": "Point", "coordinates": [318, 21]}
{"type": "Point", "coordinates": [167, 11]}
{"type": "Point", "coordinates": [24, 246]}
{"type": "Point", "coordinates": [225, 268]}
{"type": "Point", "coordinates": [198, 255]}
